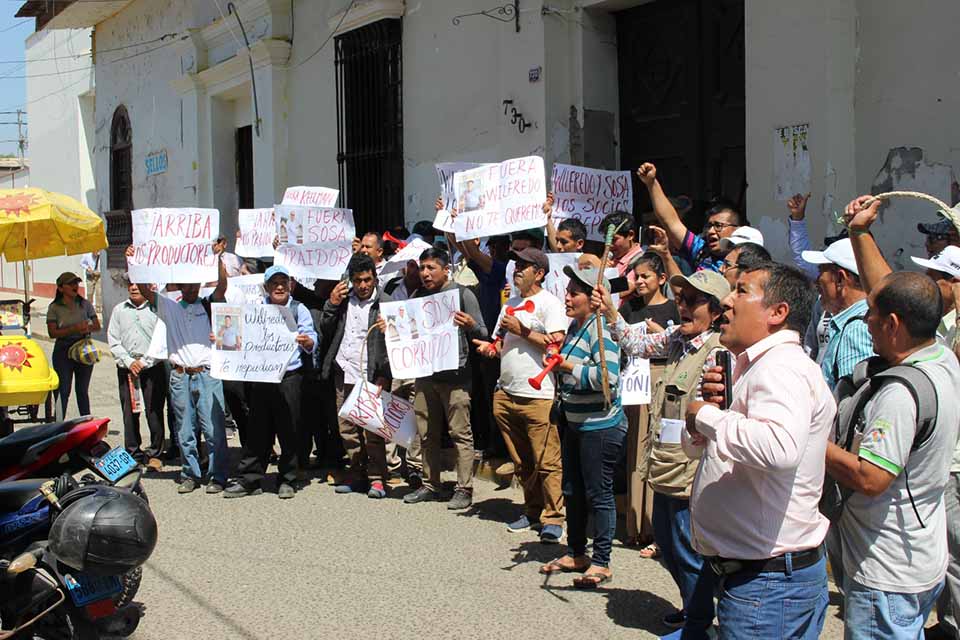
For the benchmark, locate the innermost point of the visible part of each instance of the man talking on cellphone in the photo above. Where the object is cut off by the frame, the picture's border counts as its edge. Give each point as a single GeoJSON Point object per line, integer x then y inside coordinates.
{"type": "Point", "coordinates": [754, 504]}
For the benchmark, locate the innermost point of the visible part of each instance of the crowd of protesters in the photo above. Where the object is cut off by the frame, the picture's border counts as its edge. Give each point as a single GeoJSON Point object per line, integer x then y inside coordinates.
{"type": "Point", "coordinates": [798, 412]}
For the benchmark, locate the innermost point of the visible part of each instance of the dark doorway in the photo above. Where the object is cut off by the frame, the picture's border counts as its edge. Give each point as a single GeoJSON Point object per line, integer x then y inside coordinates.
{"type": "Point", "coordinates": [119, 225]}
{"type": "Point", "coordinates": [370, 124]}
{"type": "Point", "coordinates": [682, 98]}
{"type": "Point", "coordinates": [245, 167]}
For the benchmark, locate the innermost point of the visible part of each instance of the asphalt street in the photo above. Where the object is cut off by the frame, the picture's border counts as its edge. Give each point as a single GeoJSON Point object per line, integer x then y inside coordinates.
{"type": "Point", "coordinates": [324, 566]}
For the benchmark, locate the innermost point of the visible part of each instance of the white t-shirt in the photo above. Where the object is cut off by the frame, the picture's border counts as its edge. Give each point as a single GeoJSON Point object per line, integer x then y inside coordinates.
{"type": "Point", "coordinates": [354, 332]}
{"type": "Point", "coordinates": [520, 360]}
{"type": "Point", "coordinates": [188, 332]}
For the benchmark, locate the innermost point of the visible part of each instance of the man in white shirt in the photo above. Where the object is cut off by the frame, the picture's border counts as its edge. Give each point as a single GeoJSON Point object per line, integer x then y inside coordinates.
{"type": "Point", "coordinates": [197, 397]}
{"type": "Point", "coordinates": [346, 320]}
{"type": "Point", "coordinates": [755, 502]}
{"type": "Point", "coordinates": [521, 411]}
{"type": "Point", "coordinates": [90, 263]}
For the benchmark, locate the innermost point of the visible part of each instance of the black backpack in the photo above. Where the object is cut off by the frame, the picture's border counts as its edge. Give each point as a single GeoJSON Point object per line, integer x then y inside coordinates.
{"type": "Point", "coordinates": [853, 392]}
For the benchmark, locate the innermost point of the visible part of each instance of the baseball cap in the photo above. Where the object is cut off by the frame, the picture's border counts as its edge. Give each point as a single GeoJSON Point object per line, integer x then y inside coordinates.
{"type": "Point", "coordinates": [941, 227]}
{"type": "Point", "coordinates": [67, 277]}
{"type": "Point", "coordinates": [947, 261]}
{"type": "Point", "coordinates": [839, 253]}
{"type": "Point", "coordinates": [275, 270]}
{"type": "Point", "coordinates": [533, 256]}
{"type": "Point", "coordinates": [586, 276]}
{"type": "Point", "coordinates": [705, 280]}
{"type": "Point", "coordinates": [740, 236]}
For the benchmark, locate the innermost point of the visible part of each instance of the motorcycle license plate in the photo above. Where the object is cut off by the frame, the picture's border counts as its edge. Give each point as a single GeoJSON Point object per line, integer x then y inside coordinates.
{"type": "Point", "coordinates": [116, 464]}
{"type": "Point", "coordinates": [85, 589]}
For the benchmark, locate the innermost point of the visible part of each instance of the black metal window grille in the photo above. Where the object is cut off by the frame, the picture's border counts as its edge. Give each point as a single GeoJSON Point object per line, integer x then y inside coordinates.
{"type": "Point", "coordinates": [245, 167]}
{"type": "Point", "coordinates": [119, 226]}
{"type": "Point", "coordinates": [370, 124]}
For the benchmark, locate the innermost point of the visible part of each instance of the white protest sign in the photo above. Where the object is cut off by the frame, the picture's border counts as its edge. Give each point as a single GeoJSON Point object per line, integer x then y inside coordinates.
{"type": "Point", "coordinates": [315, 242]}
{"type": "Point", "coordinates": [635, 382]}
{"type": "Point", "coordinates": [253, 343]}
{"type": "Point", "coordinates": [311, 196]}
{"type": "Point", "coordinates": [174, 245]}
{"type": "Point", "coordinates": [240, 290]}
{"type": "Point", "coordinates": [400, 259]}
{"type": "Point", "coordinates": [588, 195]}
{"type": "Point", "coordinates": [421, 335]}
{"type": "Point", "coordinates": [390, 417]}
{"type": "Point", "coordinates": [258, 228]}
{"type": "Point", "coordinates": [445, 173]}
{"type": "Point", "coordinates": [499, 198]}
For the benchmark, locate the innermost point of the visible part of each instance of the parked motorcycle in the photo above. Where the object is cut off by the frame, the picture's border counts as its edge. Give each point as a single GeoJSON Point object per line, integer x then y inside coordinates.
{"type": "Point", "coordinates": [79, 582]}
{"type": "Point", "coordinates": [51, 449]}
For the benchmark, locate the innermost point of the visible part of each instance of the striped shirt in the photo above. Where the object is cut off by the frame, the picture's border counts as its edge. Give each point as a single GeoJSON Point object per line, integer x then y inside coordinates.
{"type": "Point", "coordinates": [849, 342]}
{"type": "Point", "coordinates": [581, 391]}
{"type": "Point", "coordinates": [694, 250]}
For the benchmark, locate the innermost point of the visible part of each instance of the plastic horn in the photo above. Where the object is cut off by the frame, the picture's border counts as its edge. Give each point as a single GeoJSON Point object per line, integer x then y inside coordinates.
{"type": "Point", "coordinates": [527, 306]}
{"type": "Point", "coordinates": [391, 238]}
{"type": "Point", "coordinates": [553, 359]}
{"type": "Point", "coordinates": [608, 241]}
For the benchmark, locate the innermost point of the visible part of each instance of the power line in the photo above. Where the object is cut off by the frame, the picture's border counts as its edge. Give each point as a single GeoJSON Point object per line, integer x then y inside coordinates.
{"type": "Point", "coordinates": [335, 29]}
{"type": "Point", "coordinates": [165, 36]}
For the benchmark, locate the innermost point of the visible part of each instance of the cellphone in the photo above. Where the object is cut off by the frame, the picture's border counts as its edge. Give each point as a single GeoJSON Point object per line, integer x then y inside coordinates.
{"type": "Point", "coordinates": [724, 362]}
{"type": "Point", "coordinates": [646, 236]}
{"type": "Point", "coordinates": [619, 285]}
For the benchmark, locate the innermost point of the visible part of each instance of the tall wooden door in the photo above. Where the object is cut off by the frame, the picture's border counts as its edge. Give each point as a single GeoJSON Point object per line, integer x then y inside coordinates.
{"type": "Point", "coordinates": [682, 97]}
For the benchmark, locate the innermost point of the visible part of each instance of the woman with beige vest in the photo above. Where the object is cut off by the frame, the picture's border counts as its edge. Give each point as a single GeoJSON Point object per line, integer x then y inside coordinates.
{"type": "Point", "coordinates": [689, 348]}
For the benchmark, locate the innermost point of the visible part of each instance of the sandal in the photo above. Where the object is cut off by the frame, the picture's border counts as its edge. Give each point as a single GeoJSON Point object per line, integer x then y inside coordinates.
{"type": "Point", "coordinates": [650, 552]}
{"type": "Point", "coordinates": [555, 567]}
{"type": "Point", "coordinates": [592, 580]}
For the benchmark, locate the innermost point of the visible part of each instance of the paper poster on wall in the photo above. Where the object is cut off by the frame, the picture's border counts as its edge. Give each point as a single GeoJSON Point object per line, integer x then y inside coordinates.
{"type": "Point", "coordinates": [390, 417]}
{"type": "Point", "coordinates": [315, 242]}
{"type": "Point", "coordinates": [588, 195]}
{"type": "Point", "coordinates": [421, 335]}
{"type": "Point", "coordinates": [791, 161]}
{"type": "Point", "coordinates": [258, 228]}
{"type": "Point", "coordinates": [311, 196]}
{"type": "Point", "coordinates": [500, 198]}
{"type": "Point", "coordinates": [174, 245]}
{"type": "Point", "coordinates": [252, 343]}
{"type": "Point", "coordinates": [445, 173]}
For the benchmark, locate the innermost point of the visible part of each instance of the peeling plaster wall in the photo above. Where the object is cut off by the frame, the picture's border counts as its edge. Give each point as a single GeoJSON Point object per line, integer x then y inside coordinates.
{"type": "Point", "coordinates": [907, 106]}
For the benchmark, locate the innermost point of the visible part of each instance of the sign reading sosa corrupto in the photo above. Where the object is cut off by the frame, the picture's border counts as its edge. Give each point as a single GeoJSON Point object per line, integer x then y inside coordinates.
{"type": "Point", "coordinates": [174, 245]}
{"type": "Point", "coordinates": [421, 335]}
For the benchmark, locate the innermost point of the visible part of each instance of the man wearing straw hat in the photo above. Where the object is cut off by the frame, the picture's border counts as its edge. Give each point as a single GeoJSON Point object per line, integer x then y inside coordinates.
{"type": "Point", "coordinates": [275, 407]}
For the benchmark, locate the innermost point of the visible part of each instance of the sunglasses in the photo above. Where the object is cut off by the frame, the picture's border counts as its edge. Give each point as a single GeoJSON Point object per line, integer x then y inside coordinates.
{"type": "Point", "coordinates": [691, 301]}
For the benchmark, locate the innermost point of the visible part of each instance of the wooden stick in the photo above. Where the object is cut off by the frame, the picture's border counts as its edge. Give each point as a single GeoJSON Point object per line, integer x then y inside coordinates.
{"type": "Point", "coordinates": [605, 376]}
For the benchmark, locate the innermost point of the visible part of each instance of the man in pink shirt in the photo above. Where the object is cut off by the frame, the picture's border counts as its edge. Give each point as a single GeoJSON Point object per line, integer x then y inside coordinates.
{"type": "Point", "coordinates": [754, 502]}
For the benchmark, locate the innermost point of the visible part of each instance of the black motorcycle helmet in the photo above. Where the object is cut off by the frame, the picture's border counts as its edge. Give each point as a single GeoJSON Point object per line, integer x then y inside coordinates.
{"type": "Point", "coordinates": [103, 531]}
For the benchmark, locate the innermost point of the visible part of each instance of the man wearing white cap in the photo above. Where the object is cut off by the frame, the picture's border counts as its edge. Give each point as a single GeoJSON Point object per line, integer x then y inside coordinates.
{"type": "Point", "coordinates": [843, 296]}
{"type": "Point", "coordinates": [740, 236]}
{"type": "Point", "coordinates": [744, 250]}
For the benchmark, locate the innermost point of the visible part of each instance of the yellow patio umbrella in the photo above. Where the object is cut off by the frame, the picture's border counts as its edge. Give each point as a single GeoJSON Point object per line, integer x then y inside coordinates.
{"type": "Point", "coordinates": [35, 223]}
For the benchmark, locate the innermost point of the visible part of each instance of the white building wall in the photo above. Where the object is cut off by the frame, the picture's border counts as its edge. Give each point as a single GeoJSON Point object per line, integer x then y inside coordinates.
{"type": "Point", "coordinates": [59, 94]}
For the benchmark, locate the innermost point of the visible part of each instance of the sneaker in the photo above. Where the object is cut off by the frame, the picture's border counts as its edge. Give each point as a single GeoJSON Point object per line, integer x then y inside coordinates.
{"type": "Point", "coordinates": [214, 487]}
{"type": "Point", "coordinates": [414, 481]}
{"type": "Point", "coordinates": [286, 491]}
{"type": "Point", "coordinates": [187, 485]}
{"type": "Point", "coordinates": [423, 494]}
{"type": "Point", "coordinates": [675, 620]}
{"type": "Point", "coordinates": [376, 490]}
{"type": "Point", "coordinates": [461, 500]}
{"type": "Point", "coordinates": [551, 534]}
{"type": "Point", "coordinates": [237, 490]}
{"type": "Point", "coordinates": [506, 469]}
{"type": "Point", "coordinates": [521, 525]}
{"type": "Point", "coordinates": [357, 486]}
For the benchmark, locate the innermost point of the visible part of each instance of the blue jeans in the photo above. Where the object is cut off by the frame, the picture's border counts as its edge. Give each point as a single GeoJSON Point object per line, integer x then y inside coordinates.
{"type": "Point", "coordinates": [671, 530]}
{"type": "Point", "coordinates": [589, 460]}
{"type": "Point", "coordinates": [198, 400]}
{"type": "Point", "coordinates": [69, 371]}
{"type": "Point", "coordinates": [790, 604]}
{"type": "Point", "coordinates": [871, 614]}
